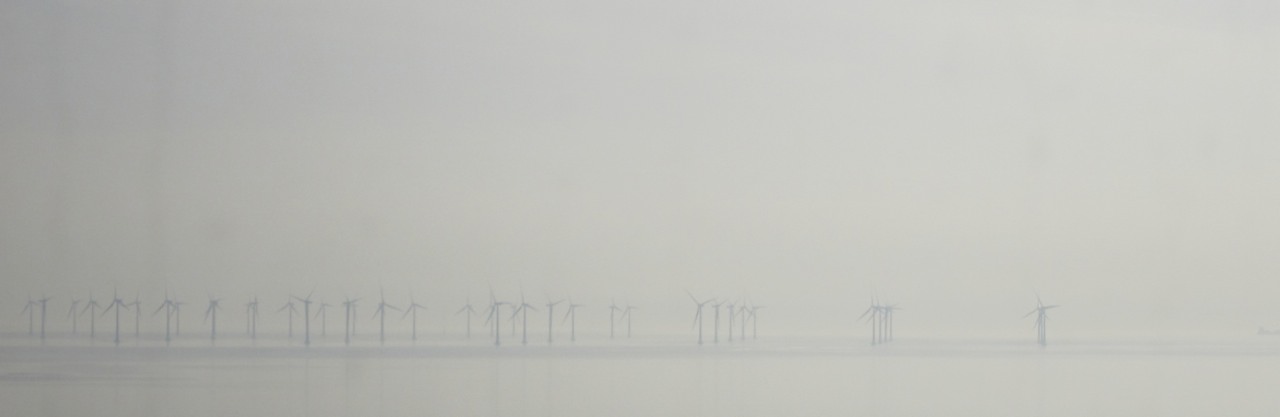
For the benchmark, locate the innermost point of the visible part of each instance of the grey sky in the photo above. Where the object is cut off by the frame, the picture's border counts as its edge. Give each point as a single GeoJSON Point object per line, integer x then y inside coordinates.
{"type": "Point", "coordinates": [1119, 158]}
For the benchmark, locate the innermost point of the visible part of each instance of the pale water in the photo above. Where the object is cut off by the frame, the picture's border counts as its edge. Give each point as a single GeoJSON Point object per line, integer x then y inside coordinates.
{"type": "Point", "coordinates": [648, 378]}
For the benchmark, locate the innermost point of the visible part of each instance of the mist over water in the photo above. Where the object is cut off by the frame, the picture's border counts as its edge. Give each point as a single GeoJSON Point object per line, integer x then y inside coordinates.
{"type": "Point", "coordinates": [955, 160]}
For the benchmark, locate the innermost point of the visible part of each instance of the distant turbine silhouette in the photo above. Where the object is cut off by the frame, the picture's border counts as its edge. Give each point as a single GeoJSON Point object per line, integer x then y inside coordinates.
{"type": "Point", "coordinates": [92, 308]}
{"type": "Point", "coordinates": [731, 319]}
{"type": "Point", "coordinates": [469, 311]}
{"type": "Point", "coordinates": [212, 313]}
{"type": "Point", "coordinates": [551, 314]}
{"type": "Point", "coordinates": [381, 313]}
{"type": "Point", "coordinates": [291, 310]}
{"type": "Point", "coordinates": [716, 305]}
{"type": "Point", "coordinates": [136, 305]}
{"type": "Point", "coordinates": [167, 306]}
{"type": "Point", "coordinates": [73, 316]}
{"type": "Point", "coordinates": [1041, 321]}
{"type": "Point", "coordinates": [572, 317]}
{"type": "Point", "coordinates": [350, 325]}
{"type": "Point", "coordinates": [755, 325]}
{"type": "Point", "coordinates": [888, 319]}
{"type": "Point", "coordinates": [697, 317]}
{"type": "Point", "coordinates": [177, 317]}
{"type": "Point", "coordinates": [872, 314]}
{"type": "Point", "coordinates": [523, 308]}
{"type": "Point", "coordinates": [306, 317]}
{"type": "Point", "coordinates": [495, 316]}
{"type": "Point", "coordinates": [117, 303]}
{"type": "Point", "coordinates": [626, 315]}
{"type": "Point", "coordinates": [412, 310]}
{"type": "Point", "coordinates": [251, 318]}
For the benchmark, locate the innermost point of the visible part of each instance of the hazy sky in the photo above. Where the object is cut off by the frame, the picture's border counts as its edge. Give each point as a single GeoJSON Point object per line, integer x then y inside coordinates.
{"type": "Point", "coordinates": [1118, 157]}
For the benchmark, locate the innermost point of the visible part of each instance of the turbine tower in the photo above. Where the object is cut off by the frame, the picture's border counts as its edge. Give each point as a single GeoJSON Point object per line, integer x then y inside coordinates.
{"type": "Point", "coordinates": [551, 314]}
{"type": "Point", "coordinates": [177, 317]}
{"type": "Point", "coordinates": [92, 308]}
{"type": "Point", "coordinates": [136, 305]}
{"type": "Point", "coordinates": [306, 317]}
{"type": "Point", "coordinates": [731, 320]}
{"type": "Point", "coordinates": [291, 309]}
{"type": "Point", "coordinates": [716, 305]}
{"type": "Point", "coordinates": [888, 319]}
{"type": "Point", "coordinates": [212, 313]}
{"type": "Point", "coordinates": [73, 316]}
{"type": "Point", "coordinates": [872, 314]}
{"type": "Point", "coordinates": [697, 317]}
{"type": "Point", "coordinates": [251, 318]}
{"type": "Point", "coordinates": [572, 317]}
{"type": "Point", "coordinates": [755, 325]}
{"type": "Point", "coordinates": [44, 304]}
{"type": "Point", "coordinates": [381, 313]}
{"type": "Point", "coordinates": [412, 309]}
{"type": "Point", "coordinates": [626, 314]}
{"type": "Point", "coordinates": [117, 303]}
{"type": "Point", "coordinates": [495, 315]}
{"type": "Point", "coordinates": [524, 308]}
{"type": "Point", "coordinates": [1041, 320]}
{"type": "Point", "coordinates": [469, 311]}
{"type": "Point", "coordinates": [167, 306]}
{"type": "Point", "coordinates": [350, 325]}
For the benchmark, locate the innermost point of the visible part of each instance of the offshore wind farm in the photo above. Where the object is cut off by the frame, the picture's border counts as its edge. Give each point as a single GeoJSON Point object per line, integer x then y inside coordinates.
{"type": "Point", "coordinates": [659, 208]}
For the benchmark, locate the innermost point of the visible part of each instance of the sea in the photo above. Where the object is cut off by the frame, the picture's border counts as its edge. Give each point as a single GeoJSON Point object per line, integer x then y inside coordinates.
{"type": "Point", "coordinates": [657, 376]}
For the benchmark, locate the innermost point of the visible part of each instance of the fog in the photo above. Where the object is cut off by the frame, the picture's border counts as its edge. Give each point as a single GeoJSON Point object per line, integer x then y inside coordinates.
{"type": "Point", "coordinates": [954, 158]}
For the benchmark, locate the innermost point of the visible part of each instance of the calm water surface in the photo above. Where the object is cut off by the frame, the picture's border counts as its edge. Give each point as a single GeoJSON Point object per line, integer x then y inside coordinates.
{"type": "Point", "coordinates": [665, 377]}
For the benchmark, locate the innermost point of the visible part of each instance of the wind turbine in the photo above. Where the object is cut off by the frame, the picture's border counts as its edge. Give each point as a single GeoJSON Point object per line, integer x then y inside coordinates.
{"type": "Point", "coordinates": [136, 305]}
{"type": "Point", "coordinates": [350, 325]}
{"type": "Point", "coordinates": [551, 308]}
{"type": "Point", "coordinates": [292, 310]}
{"type": "Point", "coordinates": [717, 305]}
{"type": "Point", "coordinates": [251, 318]}
{"type": "Point", "coordinates": [873, 315]}
{"type": "Point", "coordinates": [381, 312]}
{"type": "Point", "coordinates": [117, 304]}
{"type": "Point", "coordinates": [572, 316]}
{"type": "Point", "coordinates": [697, 318]}
{"type": "Point", "coordinates": [167, 306]}
{"type": "Point", "coordinates": [495, 315]}
{"type": "Point", "coordinates": [31, 314]}
{"type": "Point", "coordinates": [92, 308]}
{"type": "Point", "coordinates": [613, 308]}
{"type": "Point", "coordinates": [469, 311]}
{"type": "Point", "coordinates": [177, 317]}
{"type": "Point", "coordinates": [412, 309]}
{"type": "Point", "coordinates": [1041, 320]}
{"type": "Point", "coordinates": [523, 308]}
{"type": "Point", "coordinates": [73, 316]}
{"type": "Point", "coordinates": [212, 312]}
{"type": "Point", "coordinates": [755, 325]}
{"type": "Point", "coordinates": [626, 314]}
{"type": "Point", "coordinates": [306, 317]}
{"type": "Point", "coordinates": [888, 318]}
{"type": "Point", "coordinates": [731, 320]}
